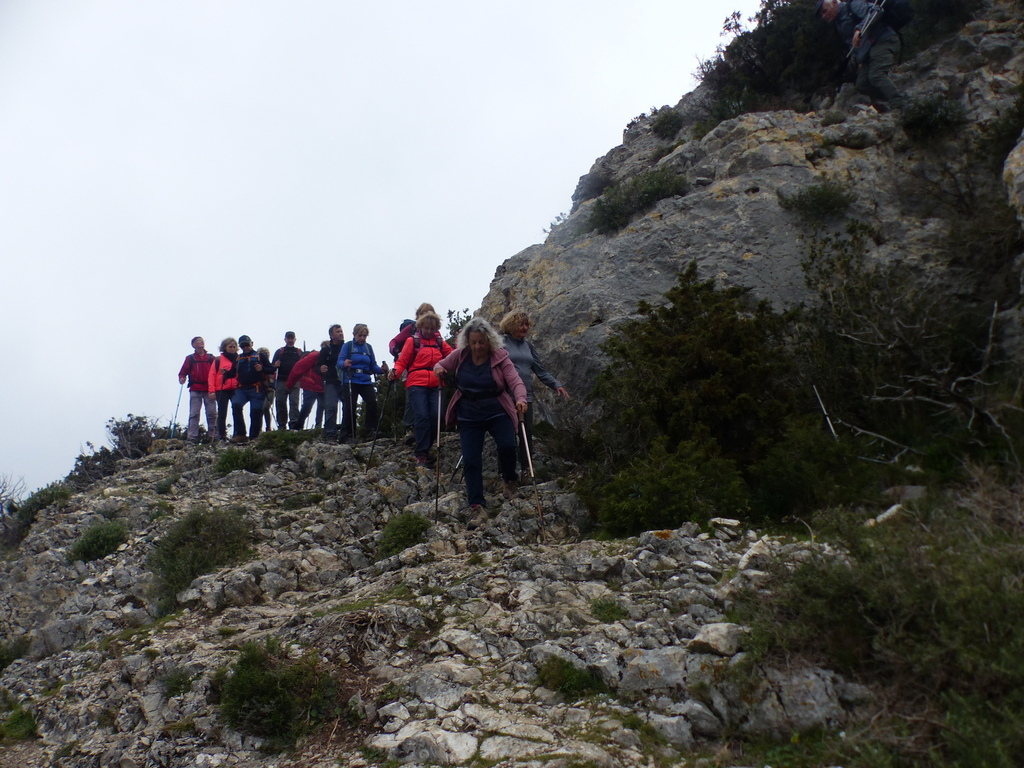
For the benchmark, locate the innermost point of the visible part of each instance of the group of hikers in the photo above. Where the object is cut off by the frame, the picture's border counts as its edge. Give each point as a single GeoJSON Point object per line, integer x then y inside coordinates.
{"type": "Point", "coordinates": [490, 369]}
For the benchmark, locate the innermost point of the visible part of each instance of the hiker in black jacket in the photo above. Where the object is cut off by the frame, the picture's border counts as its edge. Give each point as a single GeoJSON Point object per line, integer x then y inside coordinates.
{"type": "Point", "coordinates": [284, 360]}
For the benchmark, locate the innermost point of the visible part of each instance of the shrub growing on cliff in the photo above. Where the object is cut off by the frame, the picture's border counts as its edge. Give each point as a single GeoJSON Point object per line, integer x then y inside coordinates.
{"type": "Point", "coordinates": [129, 438]}
{"type": "Point", "coordinates": [400, 533]}
{"type": "Point", "coordinates": [278, 699]}
{"type": "Point", "coordinates": [923, 607]}
{"type": "Point", "coordinates": [818, 203]}
{"type": "Point", "coordinates": [618, 204]}
{"type": "Point", "coordinates": [666, 123]}
{"type": "Point", "coordinates": [99, 541]}
{"type": "Point", "coordinates": [199, 543]}
{"type": "Point", "coordinates": [233, 459]}
{"type": "Point", "coordinates": [932, 118]}
{"type": "Point", "coordinates": [17, 517]}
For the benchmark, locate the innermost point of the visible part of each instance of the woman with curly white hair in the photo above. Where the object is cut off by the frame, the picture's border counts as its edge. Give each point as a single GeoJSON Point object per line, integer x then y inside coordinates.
{"type": "Point", "coordinates": [489, 399]}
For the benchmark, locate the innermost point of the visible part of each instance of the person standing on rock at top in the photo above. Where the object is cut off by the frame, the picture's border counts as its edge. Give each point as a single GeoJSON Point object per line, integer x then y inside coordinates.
{"type": "Point", "coordinates": [514, 327]}
{"type": "Point", "coordinates": [405, 331]}
{"type": "Point", "coordinates": [222, 382]}
{"type": "Point", "coordinates": [358, 365]}
{"type": "Point", "coordinates": [251, 371]}
{"type": "Point", "coordinates": [287, 397]}
{"type": "Point", "coordinates": [875, 49]}
{"type": "Point", "coordinates": [305, 375]}
{"type": "Point", "coordinates": [335, 391]}
{"type": "Point", "coordinates": [489, 398]}
{"type": "Point", "coordinates": [196, 369]}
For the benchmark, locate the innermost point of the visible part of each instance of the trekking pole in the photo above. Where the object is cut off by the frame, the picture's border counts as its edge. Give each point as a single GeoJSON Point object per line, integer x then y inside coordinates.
{"type": "Point", "coordinates": [827, 419]}
{"type": "Point", "coordinates": [457, 465]}
{"type": "Point", "coordinates": [383, 409]}
{"type": "Point", "coordinates": [529, 461]}
{"type": "Point", "coordinates": [874, 9]}
{"type": "Point", "coordinates": [437, 462]}
{"type": "Point", "coordinates": [174, 421]}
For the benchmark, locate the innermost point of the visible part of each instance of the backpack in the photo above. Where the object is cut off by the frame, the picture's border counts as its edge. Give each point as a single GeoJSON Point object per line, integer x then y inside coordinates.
{"type": "Point", "coordinates": [346, 354]}
{"type": "Point", "coordinates": [417, 342]}
{"type": "Point", "coordinates": [897, 13]}
{"type": "Point", "coordinates": [247, 374]}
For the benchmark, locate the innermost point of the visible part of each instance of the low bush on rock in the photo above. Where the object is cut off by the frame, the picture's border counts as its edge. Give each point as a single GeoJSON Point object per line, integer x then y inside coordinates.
{"type": "Point", "coordinates": [19, 725]}
{"type": "Point", "coordinates": [11, 650]}
{"type": "Point", "coordinates": [666, 123]}
{"type": "Point", "coordinates": [129, 438]}
{"type": "Point", "coordinates": [818, 203]}
{"type": "Point", "coordinates": [608, 609]}
{"type": "Point", "coordinates": [560, 675]}
{"type": "Point", "coordinates": [199, 543]}
{"type": "Point", "coordinates": [400, 533]}
{"type": "Point", "coordinates": [17, 517]}
{"type": "Point", "coordinates": [618, 204]}
{"type": "Point", "coordinates": [282, 443]}
{"type": "Point", "coordinates": [919, 608]}
{"type": "Point", "coordinates": [266, 694]}
{"type": "Point", "coordinates": [246, 459]}
{"type": "Point", "coordinates": [932, 118]}
{"type": "Point", "coordinates": [99, 541]}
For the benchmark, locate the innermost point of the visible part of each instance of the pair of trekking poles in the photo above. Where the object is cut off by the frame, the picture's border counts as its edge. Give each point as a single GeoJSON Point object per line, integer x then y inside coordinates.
{"type": "Point", "coordinates": [437, 464]}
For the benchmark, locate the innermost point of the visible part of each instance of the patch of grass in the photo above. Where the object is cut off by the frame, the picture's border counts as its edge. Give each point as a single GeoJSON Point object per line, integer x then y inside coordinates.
{"type": "Point", "coordinates": [400, 533]}
{"type": "Point", "coordinates": [20, 725]}
{"type": "Point", "coordinates": [267, 695]}
{"type": "Point", "coordinates": [166, 484]}
{"type": "Point", "coordinates": [300, 500]}
{"type": "Point", "coordinates": [11, 650]}
{"type": "Point", "coordinates": [98, 541]}
{"type": "Point", "coordinates": [281, 442]}
{"type": "Point", "coordinates": [561, 676]}
{"type": "Point", "coordinates": [618, 204]}
{"type": "Point", "coordinates": [819, 203]}
{"type": "Point", "coordinates": [233, 459]}
{"type": "Point", "coordinates": [199, 543]}
{"type": "Point", "coordinates": [175, 682]}
{"type": "Point", "coordinates": [607, 610]}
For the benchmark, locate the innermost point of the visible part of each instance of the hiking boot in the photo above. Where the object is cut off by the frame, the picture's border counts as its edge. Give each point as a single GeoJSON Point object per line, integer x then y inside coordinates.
{"type": "Point", "coordinates": [426, 461]}
{"type": "Point", "coordinates": [477, 517]}
{"type": "Point", "coordinates": [509, 488]}
{"type": "Point", "coordinates": [239, 439]}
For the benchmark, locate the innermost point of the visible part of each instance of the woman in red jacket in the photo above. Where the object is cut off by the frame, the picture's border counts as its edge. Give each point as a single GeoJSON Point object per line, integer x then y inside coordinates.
{"type": "Point", "coordinates": [490, 398]}
{"type": "Point", "coordinates": [222, 382]}
{"type": "Point", "coordinates": [419, 355]}
{"type": "Point", "coordinates": [306, 374]}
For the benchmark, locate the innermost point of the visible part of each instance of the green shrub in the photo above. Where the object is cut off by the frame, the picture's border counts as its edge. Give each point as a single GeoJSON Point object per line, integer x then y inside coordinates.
{"type": "Point", "coordinates": [199, 543]}
{"type": "Point", "coordinates": [926, 606]}
{"type": "Point", "coordinates": [400, 533]}
{"type": "Point", "coordinates": [666, 123]}
{"type": "Point", "coordinates": [270, 696]}
{"type": "Point", "coordinates": [666, 488]}
{"type": "Point", "coordinates": [129, 438]}
{"type": "Point", "coordinates": [12, 650]}
{"type": "Point", "coordinates": [20, 725]}
{"type": "Point", "coordinates": [819, 202]}
{"type": "Point", "coordinates": [607, 610]}
{"type": "Point", "coordinates": [19, 516]}
{"type": "Point", "coordinates": [618, 204]}
{"type": "Point", "coordinates": [281, 442]}
{"type": "Point", "coordinates": [232, 459]}
{"type": "Point", "coordinates": [932, 118]}
{"type": "Point", "coordinates": [175, 682]}
{"type": "Point", "coordinates": [559, 675]}
{"type": "Point", "coordinates": [166, 485]}
{"type": "Point", "coordinates": [98, 541]}
{"type": "Point", "coordinates": [300, 500]}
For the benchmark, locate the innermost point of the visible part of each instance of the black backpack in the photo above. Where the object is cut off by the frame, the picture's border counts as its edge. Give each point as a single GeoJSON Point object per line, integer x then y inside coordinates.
{"type": "Point", "coordinates": [897, 13]}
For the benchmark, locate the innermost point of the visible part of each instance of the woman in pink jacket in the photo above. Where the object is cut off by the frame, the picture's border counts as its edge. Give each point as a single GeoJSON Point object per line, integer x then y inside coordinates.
{"type": "Point", "coordinates": [489, 398]}
{"type": "Point", "coordinates": [222, 383]}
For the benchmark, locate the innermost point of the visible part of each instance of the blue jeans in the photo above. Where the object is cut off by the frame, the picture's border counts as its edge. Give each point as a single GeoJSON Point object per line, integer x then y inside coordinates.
{"type": "Point", "coordinates": [425, 410]}
{"type": "Point", "coordinates": [254, 397]}
{"type": "Point", "coordinates": [471, 439]}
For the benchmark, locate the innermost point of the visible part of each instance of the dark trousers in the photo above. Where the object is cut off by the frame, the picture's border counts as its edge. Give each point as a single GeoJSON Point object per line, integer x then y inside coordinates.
{"type": "Point", "coordinates": [369, 394]}
{"type": "Point", "coordinates": [223, 401]}
{"type": "Point", "coordinates": [471, 440]}
{"type": "Point", "coordinates": [309, 399]}
{"type": "Point", "coordinates": [287, 403]}
{"type": "Point", "coordinates": [425, 409]}
{"type": "Point", "coordinates": [335, 397]}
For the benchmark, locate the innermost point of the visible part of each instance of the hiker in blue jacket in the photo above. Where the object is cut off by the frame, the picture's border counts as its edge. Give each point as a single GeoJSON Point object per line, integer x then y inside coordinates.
{"type": "Point", "coordinates": [357, 366]}
{"type": "Point", "coordinates": [876, 49]}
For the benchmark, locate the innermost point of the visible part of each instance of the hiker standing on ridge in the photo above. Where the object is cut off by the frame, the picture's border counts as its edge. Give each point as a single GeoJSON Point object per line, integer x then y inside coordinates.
{"type": "Point", "coordinates": [284, 360]}
{"type": "Point", "coordinates": [358, 365]}
{"type": "Point", "coordinates": [222, 382]}
{"type": "Point", "coordinates": [876, 50]}
{"type": "Point", "coordinates": [306, 376]}
{"type": "Point", "coordinates": [250, 370]}
{"type": "Point", "coordinates": [196, 369]}
{"type": "Point", "coordinates": [335, 391]}
{"type": "Point", "coordinates": [405, 331]}
{"type": "Point", "coordinates": [514, 327]}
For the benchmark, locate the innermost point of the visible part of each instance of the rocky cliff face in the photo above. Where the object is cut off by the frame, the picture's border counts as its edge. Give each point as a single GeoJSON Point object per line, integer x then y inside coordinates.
{"type": "Point", "coordinates": [579, 285]}
{"type": "Point", "coordinates": [437, 650]}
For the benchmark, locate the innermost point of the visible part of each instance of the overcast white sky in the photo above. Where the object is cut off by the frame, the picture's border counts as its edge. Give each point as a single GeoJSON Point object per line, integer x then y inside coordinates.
{"type": "Point", "coordinates": [196, 167]}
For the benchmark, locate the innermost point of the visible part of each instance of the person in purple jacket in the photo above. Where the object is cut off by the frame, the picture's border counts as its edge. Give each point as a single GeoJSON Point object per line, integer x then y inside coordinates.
{"type": "Point", "coordinates": [490, 398]}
